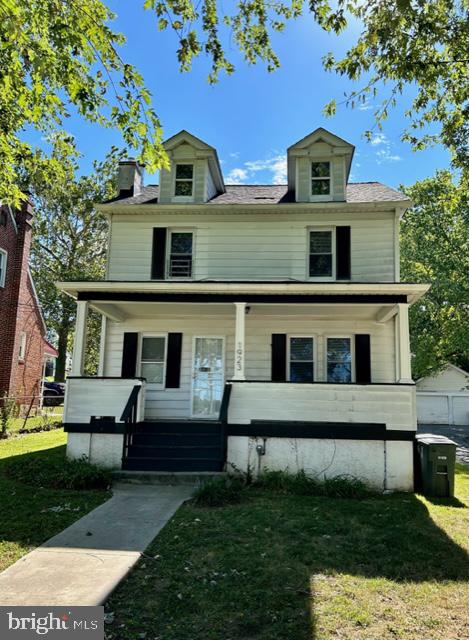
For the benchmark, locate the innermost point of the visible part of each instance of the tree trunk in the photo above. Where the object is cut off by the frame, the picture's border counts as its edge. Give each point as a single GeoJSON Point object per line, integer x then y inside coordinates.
{"type": "Point", "coordinates": [61, 361]}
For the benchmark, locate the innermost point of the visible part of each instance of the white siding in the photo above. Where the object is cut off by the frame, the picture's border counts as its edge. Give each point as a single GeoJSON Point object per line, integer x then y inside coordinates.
{"type": "Point", "coordinates": [86, 397]}
{"type": "Point", "coordinates": [391, 405]}
{"type": "Point", "coordinates": [450, 379]}
{"type": "Point", "coordinates": [210, 188]}
{"type": "Point", "coordinates": [176, 403]}
{"type": "Point", "coordinates": [253, 245]}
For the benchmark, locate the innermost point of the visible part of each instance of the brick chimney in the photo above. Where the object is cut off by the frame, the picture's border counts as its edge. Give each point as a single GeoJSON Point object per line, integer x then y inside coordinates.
{"type": "Point", "coordinates": [130, 178]}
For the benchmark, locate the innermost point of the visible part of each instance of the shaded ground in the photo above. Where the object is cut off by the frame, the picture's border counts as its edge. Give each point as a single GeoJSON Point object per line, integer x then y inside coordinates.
{"type": "Point", "coordinates": [276, 567]}
{"type": "Point", "coordinates": [458, 433]}
{"type": "Point", "coordinates": [31, 515]}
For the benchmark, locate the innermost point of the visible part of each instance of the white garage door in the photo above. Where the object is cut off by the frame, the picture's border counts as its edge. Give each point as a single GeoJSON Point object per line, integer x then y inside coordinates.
{"type": "Point", "coordinates": [432, 409]}
{"type": "Point", "coordinates": [461, 409]}
{"type": "Point", "coordinates": [443, 408]}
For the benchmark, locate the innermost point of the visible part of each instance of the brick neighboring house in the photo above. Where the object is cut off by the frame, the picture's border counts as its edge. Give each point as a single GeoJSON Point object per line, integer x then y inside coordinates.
{"type": "Point", "coordinates": [22, 326]}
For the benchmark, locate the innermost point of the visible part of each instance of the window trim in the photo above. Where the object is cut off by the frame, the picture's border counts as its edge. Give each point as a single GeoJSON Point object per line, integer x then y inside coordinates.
{"type": "Point", "coordinates": [314, 338]}
{"type": "Point", "coordinates": [325, 197]}
{"type": "Point", "coordinates": [22, 345]}
{"type": "Point", "coordinates": [175, 180]}
{"type": "Point", "coordinates": [155, 385]}
{"type": "Point", "coordinates": [350, 337]}
{"type": "Point", "coordinates": [331, 278]}
{"type": "Point", "coordinates": [3, 272]}
{"type": "Point", "coordinates": [170, 232]}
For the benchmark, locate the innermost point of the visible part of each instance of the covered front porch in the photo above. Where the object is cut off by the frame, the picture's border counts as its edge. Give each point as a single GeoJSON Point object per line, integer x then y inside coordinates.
{"type": "Point", "coordinates": [333, 358]}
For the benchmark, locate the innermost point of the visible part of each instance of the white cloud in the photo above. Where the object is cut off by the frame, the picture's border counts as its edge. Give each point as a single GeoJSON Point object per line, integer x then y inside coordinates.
{"type": "Point", "coordinates": [237, 176]}
{"type": "Point", "coordinates": [379, 138]}
{"type": "Point", "coordinates": [276, 165]}
{"type": "Point", "coordinates": [385, 155]}
{"type": "Point", "coordinates": [234, 155]}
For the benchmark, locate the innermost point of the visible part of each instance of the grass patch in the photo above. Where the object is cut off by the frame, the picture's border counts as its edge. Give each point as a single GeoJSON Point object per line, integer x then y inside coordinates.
{"type": "Point", "coordinates": [279, 565]}
{"type": "Point", "coordinates": [219, 491]}
{"type": "Point", "coordinates": [57, 472]}
{"type": "Point", "coordinates": [344, 486]}
{"type": "Point", "coordinates": [30, 513]}
{"type": "Point", "coordinates": [52, 416]}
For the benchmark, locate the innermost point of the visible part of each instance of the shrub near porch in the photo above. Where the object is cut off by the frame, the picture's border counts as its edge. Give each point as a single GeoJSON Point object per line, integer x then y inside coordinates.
{"type": "Point", "coordinates": [277, 566]}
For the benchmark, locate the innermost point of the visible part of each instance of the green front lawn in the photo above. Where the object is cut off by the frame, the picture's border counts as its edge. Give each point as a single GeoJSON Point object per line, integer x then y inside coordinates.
{"type": "Point", "coordinates": [30, 515]}
{"type": "Point", "coordinates": [51, 414]}
{"type": "Point", "coordinates": [281, 567]}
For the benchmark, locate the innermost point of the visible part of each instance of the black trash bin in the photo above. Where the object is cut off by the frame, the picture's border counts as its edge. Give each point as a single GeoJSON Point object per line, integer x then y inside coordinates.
{"type": "Point", "coordinates": [437, 457]}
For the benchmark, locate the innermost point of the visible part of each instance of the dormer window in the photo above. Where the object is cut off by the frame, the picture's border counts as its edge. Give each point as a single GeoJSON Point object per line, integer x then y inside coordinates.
{"type": "Point", "coordinates": [184, 181]}
{"type": "Point", "coordinates": [320, 179]}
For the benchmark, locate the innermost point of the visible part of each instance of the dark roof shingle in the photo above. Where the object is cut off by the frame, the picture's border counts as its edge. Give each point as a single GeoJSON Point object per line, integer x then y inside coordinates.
{"type": "Point", "coordinates": [357, 192]}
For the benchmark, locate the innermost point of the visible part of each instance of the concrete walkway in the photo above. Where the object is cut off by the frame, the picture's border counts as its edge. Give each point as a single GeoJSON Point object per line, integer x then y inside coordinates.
{"type": "Point", "coordinates": [83, 564]}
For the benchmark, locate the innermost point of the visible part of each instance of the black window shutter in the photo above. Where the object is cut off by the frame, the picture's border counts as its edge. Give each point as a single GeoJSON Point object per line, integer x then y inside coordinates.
{"type": "Point", "coordinates": [362, 358]}
{"type": "Point", "coordinates": [173, 361]}
{"type": "Point", "coordinates": [342, 253]}
{"type": "Point", "coordinates": [279, 357]}
{"type": "Point", "coordinates": [129, 355]}
{"type": "Point", "coordinates": [158, 253]}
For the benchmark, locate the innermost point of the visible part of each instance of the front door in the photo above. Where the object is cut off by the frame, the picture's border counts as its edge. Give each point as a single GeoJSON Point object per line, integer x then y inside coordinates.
{"type": "Point", "coordinates": [208, 375]}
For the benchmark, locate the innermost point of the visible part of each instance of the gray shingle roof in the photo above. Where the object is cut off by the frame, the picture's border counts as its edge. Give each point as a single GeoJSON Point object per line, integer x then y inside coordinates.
{"type": "Point", "coordinates": [357, 192]}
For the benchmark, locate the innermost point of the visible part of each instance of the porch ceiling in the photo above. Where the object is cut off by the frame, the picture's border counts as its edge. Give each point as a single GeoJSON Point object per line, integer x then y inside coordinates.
{"type": "Point", "coordinates": [120, 311]}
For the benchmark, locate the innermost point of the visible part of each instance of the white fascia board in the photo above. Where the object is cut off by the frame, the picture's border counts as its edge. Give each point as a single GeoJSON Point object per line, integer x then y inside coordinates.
{"type": "Point", "coordinates": [412, 291]}
{"type": "Point", "coordinates": [292, 207]}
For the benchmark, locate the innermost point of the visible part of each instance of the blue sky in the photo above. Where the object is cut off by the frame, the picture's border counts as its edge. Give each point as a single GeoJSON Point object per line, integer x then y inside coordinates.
{"type": "Point", "coordinates": [252, 116]}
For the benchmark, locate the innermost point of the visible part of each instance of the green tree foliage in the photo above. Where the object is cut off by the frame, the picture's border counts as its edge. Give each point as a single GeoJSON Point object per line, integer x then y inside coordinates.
{"type": "Point", "coordinates": [408, 42]}
{"type": "Point", "coordinates": [59, 57]}
{"type": "Point", "coordinates": [434, 249]}
{"type": "Point", "coordinates": [70, 242]}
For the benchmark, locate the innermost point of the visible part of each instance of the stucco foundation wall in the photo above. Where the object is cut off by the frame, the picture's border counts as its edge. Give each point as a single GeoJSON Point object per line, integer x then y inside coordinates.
{"type": "Point", "coordinates": [381, 465]}
{"type": "Point", "coordinates": [103, 449]}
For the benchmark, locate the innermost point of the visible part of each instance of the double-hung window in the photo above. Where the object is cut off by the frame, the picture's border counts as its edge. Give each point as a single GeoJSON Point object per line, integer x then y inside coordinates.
{"type": "Point", "coordinates": [301, 359]}
{"type": "Point", "coordinates": [153, 359]}
{"type": "Point", "coordinates": [321, 254]}
{"type": "Point", "coordinates": [3, 267]}
{"type": "Point", "coordinates": [320, 179]}
{"type": "Point", "coordinates": [339, 359]}
{"type": "Point", "coordinates": [181, 244]}
{"type": "Point", "coordinates": [184, 180]}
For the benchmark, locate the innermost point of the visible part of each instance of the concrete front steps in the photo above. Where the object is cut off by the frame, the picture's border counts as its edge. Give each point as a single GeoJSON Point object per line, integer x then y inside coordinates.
{"type": "Point", "coordinates": [194, 479]}
{"type": "Point", "coordinates": [177, 446]}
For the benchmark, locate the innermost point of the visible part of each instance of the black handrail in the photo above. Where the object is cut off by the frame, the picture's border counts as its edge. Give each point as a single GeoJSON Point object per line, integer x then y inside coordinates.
{"type": "Point", "coordinates": [225, 401]}
{"type": "Point", "coordinates": [129, 417]}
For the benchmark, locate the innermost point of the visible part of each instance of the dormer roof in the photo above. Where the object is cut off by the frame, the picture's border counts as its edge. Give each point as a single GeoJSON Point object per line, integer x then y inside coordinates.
{"type": "Point", "coordinates": [203, 150]}
{"type": "Point", "coordinates": [339, 147]}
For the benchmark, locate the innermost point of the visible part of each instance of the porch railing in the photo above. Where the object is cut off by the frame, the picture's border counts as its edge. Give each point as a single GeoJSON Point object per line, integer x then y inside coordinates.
{"type": "Point", "coordinates": [130, 419]}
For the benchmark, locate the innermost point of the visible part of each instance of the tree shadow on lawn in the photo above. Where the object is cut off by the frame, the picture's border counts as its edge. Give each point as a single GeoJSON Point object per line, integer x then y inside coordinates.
{"type": "Point", "coordinates": [29, 513]}
{"type": "Point", "coordinates": [252, 570]}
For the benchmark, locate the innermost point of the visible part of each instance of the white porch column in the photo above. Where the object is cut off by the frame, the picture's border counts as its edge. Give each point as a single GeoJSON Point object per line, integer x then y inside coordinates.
{"type": "Point", "coordinates": [79, 345]}
{"type": "Point", "coordinates": [403, 343]}
{"type": "Point", "coordinates": [239, 341]}
{"type": "Point", "coordinates": [102, 346]}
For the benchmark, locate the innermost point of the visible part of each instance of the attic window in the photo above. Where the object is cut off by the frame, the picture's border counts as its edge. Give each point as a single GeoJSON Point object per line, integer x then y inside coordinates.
{"type": "Point", "coordinates": [320, 178]}
{"type": "Point", "coordinates": [183, 185]}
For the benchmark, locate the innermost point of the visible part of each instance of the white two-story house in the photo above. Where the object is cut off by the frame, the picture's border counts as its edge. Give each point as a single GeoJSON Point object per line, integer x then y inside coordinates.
{"type": "Point", "coordinates": [249, 326]}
